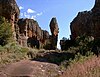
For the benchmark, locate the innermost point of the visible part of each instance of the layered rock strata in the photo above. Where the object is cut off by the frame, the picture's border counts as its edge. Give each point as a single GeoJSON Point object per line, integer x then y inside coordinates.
{"type": "Point", "coordinates": [27, 31]}
{"type": "Point", "coordinates": [31, 34]}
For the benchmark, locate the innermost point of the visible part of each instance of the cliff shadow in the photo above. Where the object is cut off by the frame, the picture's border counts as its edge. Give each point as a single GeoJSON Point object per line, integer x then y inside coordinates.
{"type": "Point", "coordinates": [53, 57]}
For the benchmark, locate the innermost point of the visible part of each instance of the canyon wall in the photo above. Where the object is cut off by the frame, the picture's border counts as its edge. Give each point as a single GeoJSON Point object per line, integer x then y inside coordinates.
{"type": "Point", "coordinates": [27, 32]}
{"type": "Point", "coordinates": [87, 22]}
{"type": "Point", "coordinates": [10, 10]}
{"type": "Point", "coordinates": [31, 34]}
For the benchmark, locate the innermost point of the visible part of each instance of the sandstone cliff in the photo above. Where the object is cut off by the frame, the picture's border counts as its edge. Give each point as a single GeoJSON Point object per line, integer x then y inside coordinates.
{"type": "Point", "coordinates": [87, 22]}
{"type": "Point", "coordinates": [27, 31]}
{"type": "Point", "coordinates": [54, 32]}
{"type": "Point", "coordinates": [31, 34]}
{"type": "Point", "coordinates": [10, 10]}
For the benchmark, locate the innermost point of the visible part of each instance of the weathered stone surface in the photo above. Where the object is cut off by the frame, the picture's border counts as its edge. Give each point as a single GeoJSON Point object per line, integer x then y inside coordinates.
{"type": "Point", "coordinates": [54, 31]}
{"type": "Point", "coordinates": [31, 69]}
{"type": "Point", "coordinates": [45, 34]}
{"type": "Point", "coordinates": [31, 33]}
{"type": "Point", "coordinates": [28, 30]}
{"type": "Point", "coordinates": [87, 22]}
{"type": "Point", "coordinates": [96, 6]}
{"type": "Point", "coordinates": [54, 26]}
{"type": "Point", "coordinates": [10, 10]}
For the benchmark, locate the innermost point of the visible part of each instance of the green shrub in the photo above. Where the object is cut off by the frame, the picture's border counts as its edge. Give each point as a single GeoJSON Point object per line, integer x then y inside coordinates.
{"type": "Point", "coordinates": [85, 43]}
{"type": "Point", "coordinates": [12, 53]}
{"type": "Point", "coordinates": [5, 31]}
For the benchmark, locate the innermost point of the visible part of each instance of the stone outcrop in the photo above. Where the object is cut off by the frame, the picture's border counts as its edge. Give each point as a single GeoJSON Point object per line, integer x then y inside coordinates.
{"type": "Point", "coordinates": [87, 22]}
{"type": "Point", "coordinates": [65, 44]}
{"type": "Point", "coordinates": [54, 32]}
{"type": "Point", "coordinates": [27, 31]}
{"type": "Point", "coordinates": [28, 68]}
{"type": "Point", "coordinates": [10, 10]}
{"type": "Point", "coordinates": [31, 34]}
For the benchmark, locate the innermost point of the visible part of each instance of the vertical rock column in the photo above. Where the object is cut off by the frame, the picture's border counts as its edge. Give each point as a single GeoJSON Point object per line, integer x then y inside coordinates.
{"type": "Point", "coordinates": [54, 31]}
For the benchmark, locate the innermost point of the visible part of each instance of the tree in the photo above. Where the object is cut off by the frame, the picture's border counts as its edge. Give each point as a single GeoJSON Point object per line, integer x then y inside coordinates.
{"type": "Point", "coordinates": [85, 43]}
{"type": "Point", "coordinates": [5, 31]}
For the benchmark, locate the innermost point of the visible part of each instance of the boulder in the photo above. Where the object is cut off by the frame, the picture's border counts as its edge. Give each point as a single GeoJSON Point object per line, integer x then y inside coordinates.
{"type": "Point", "coordinates": [28, 68]}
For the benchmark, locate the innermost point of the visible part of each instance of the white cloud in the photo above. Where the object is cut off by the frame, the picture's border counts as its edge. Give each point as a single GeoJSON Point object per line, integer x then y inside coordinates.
{"type": "Point", "coordinates": [21, 14]}
{"type": "Point", "coordinates": [26, 15]}
{"type": "Point", "coordinates": [39, 14]}
{"type": "Point", "coordinates": [30, 11]}
{"type": "Point", "coordinates": [20, 7]}
{"type": "Point", "coordinates": [33, 17]}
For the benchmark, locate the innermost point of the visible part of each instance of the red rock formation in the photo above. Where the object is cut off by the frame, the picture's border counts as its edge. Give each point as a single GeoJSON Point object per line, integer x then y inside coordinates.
{"type": "Point", "coordinates": [10, 10]}
{"type": "Point", "coordinates": [87, 22]}
{"type": "Point", "coordinates": [54, 31]}
{"type": "Point", "coordinates": [28, 30]}
{"type": "Point", "coordinates": [54, 27]}
{"type": "Point", "coordinates": [31, 33]}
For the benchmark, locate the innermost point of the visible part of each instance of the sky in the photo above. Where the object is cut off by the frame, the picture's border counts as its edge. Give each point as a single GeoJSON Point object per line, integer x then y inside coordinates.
{"type": "Point", "coordinates": [64, 10]}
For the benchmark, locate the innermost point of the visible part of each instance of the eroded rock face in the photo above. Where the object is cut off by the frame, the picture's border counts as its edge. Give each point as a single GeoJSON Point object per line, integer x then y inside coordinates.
{"type": "Point", "coordinates": [54, 31]}
{"type": "Point", "coordinates": [27, 31]}
{"type": "Point", "coordinates": [32, 34]}
{"type": "Point", "coordinates": [10, 10]}
{"type": "Point", "coordinates": [96, 6]}
{"type": "Point", "coordinates": [87, 22]}
{"type": "Point", "coordinates": [54, 27]}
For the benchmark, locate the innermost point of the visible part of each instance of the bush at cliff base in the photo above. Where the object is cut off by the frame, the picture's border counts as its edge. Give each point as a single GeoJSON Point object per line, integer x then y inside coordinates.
{"type": "Point", "coordinates": [5, 31]}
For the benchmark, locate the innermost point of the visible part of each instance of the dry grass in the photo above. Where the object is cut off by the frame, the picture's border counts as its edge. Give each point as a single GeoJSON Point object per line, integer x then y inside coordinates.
{"type": "Point", "coordinates": [88, 68]}
{"type": "Point", "coordinates": [12, 52]}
